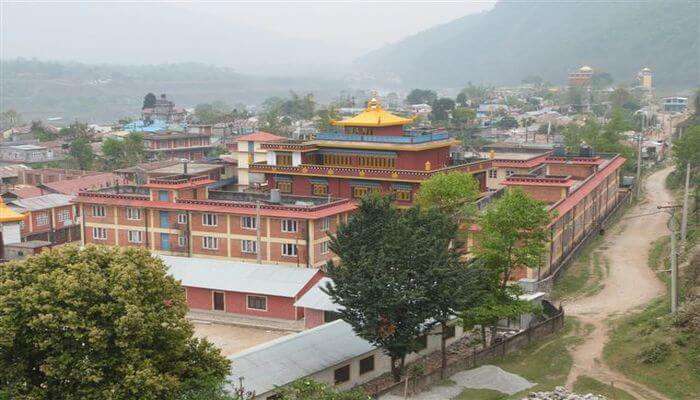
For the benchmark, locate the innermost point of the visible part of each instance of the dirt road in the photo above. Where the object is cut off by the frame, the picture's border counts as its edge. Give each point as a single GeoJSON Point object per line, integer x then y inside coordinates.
{"type": "Point", "coordinates": [629, 285]}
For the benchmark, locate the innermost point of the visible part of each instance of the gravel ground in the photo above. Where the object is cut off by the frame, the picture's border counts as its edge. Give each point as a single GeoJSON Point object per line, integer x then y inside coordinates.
{"type": "Point", "coordinates": [232, 339]}
{"type": "Point", "coordinates": [484, 377]}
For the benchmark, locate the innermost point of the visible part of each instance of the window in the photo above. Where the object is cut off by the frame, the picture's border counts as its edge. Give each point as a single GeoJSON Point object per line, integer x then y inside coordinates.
{"type": "Point", "coordinates": [99, 233]}
{"type": "Point", "coordinates": [289, 249]}
{"type": "Point", "coordinates": [219, 301]}
{"type": "Point", "coordinates": [98, 211]}
{"type": "Point", "coordinates": [330, 316]}
{"type": "Point", "coordinates": [210, 243]}
{"type": "Point", "coordinates": [249, 246]}
{"type": "Point", "coordinates": [402, 195]}
{"type": "Point", "coordinates": [289, 225]}
{"type": "Point", "coordinates": [63, 216]}
{"type": "Point", "coordinates": [135, 236]}
{"type": "Point", "coordinates": [133, 213]}
{"type": "Point", "coordinates": [181, 241]}
{"type": "Point", "coordinates": [342, 374]}
{"type": "Point", "coordinates": [337, 159]}
{"type": "Point", "coordinates": [319, 189]}
{"type": "Point", "coordinates": [284, 159]}
{"type": "Point", "coordinates": [510, 172]}
{"type": "Point", "coordinates": [325, 248]}
{"type": "Point", "coordinates": [450, 331]}
{"type": "Point", "coordinates": [421, 343]}
{"type": "Point", "coordinates": [326, 223]}
{"type": "Point", "coordinates": [249, 222]}
{"type": "Point", "coordinates": [376, 162]}
{"type": "Point", "coordinates": [359, 191]}
{"type": "Point", "coordinates": [257, 302]}
{"type": "Point", "coordinates": [284, 186]}
{"type": "Point", "coordinates": [42, 219]}
{"type": "Point", "coordinates": [493, 173]}
{"type": "Point", "coordinates": [366, 365]}
{"type": "Point", "coordinates": [210, 219]}
{"type": "Point", "coordinates": [163, 195]}
{"type": "Point", "coordinates": [182, 218]}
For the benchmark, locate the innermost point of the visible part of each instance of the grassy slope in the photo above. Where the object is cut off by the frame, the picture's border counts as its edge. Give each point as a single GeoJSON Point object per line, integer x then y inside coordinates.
{"type": "Point", "coordinates": [545, 363]}
{"type": "Point", "coordinates": [585, 384]}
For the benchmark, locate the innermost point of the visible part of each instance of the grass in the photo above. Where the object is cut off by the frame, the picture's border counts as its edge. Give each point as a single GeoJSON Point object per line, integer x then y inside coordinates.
{"type": "Point", "coordinates": [546, 363]}
{"type": "Point", "coordinates": [585, 385]}
{"type": "Point", "coordinates": [584, 276]}
{"type": "Point", "coordinates": [677, 373]}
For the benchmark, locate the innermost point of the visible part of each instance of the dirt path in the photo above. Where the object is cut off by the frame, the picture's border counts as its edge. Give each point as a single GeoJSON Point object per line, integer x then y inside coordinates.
{"type": "Point", "coordinates": [629, 285]}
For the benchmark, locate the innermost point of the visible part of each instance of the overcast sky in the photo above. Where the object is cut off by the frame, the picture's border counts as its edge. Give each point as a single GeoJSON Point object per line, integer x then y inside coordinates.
{"type": "Point", "coordinates": [242, 35]}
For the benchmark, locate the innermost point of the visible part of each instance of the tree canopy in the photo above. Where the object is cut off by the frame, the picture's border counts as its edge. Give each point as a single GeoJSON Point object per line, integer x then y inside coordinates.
{"type": "Point", "coordinates": [149, 100]}
{"type": "Point", "coordinates": [454, 193]}
{"type": "Point", "coordinates": [307, 389]}
{"type": "Point", "coordinates": [421, 96]}
{"type": "Point", "coordinates": [99, 323]}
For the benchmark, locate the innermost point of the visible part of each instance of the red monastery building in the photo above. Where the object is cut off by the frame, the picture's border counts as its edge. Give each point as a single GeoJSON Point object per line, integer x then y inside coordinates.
{"type": "Point", "coordinates": [374, 151]}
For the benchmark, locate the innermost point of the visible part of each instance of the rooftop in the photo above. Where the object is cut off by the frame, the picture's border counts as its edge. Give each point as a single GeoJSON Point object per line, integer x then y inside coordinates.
{"type": "Point", "coordinates": [260, 136]}
{"type": "Point", "coordinates": [374, 116]}
{"type": "Point", "coordinates": [289, 358]}
{"type": "Point", "coordinates": [272, 280]}
{"type": "Point", "coordinates": [43, 202]}
{"type": "Point", "coordinates": [94, 181]}
{"type": "Point", "coordinates": [317, 299]}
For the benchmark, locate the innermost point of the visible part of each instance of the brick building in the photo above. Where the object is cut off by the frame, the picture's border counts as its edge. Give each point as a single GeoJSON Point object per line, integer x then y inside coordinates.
{"type": "Point", "coordinates": [51, 217]}
{"type": "Point", "coordinates": [181, 216]}
{"type": "Point", "coordinates": [189, 145]}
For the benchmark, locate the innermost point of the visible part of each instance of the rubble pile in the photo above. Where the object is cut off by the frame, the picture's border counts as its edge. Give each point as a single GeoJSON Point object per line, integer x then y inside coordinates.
{"type": "Point", "coordinates": [560, 393]}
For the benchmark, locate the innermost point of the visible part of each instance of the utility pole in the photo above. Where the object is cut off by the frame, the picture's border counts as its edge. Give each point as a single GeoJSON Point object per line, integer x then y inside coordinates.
{"type": "Point", "coordinates": [684, 215]}
{"type": "Point", "coordinates": [674, 256]}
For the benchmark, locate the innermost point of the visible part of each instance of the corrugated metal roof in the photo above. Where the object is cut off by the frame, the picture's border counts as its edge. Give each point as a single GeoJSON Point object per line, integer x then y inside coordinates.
{"type": "Point", "coordinates": [43, 202]}
{"type": "Point", "coordinates": [273, 280]}
{"type": "Point", "coordinates": [318, 299]}
{"type": "Point", "coordinates": [289, 358]}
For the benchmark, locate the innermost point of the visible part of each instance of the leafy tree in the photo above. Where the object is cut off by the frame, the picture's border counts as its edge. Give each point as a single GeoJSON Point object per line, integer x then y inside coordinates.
{"type": "Point", "coordinates": [10, 118]}
{"type": "Point", "coordinates": [75, 130]}
{"type": "Point", "coordinates": [496, 303]}
{"type": "Point", "coordinates": [507, 122]}
{"type": "Point", "coordinates": [421, 96]}
{"type": "Point", "coordinates": [41, 133]}
{"type": "Point", "coordinates": [463, 117]}
{"type": "Point", "coordinates": [81, 154]}
{"type": "Point", "coordinates": [217, 151]}
{"type": "Point", "coordinates": [513, 234]}
{"type": "Point", "coordinates": [126, 152]}
{"type": "Point", "coordinates": [211, 113]}
{"type": "Point", "coordinates": [474, 94]}
{"type": "Point", "coordinates": [442, 109]}
{"type": "Point", "coordinates": [686, 149]}
{"type": "Point", "coordinates": [149, 100]}
{"type": "Point", "coordinates": [274, 121]}
{"type": "Point", "coordinates": [99, 323]}
{"type": "Point", "coordinates": [325, 117]}
{"type": "Point", "coordinates": [307, 389]}
{"type": "Point", "coordinates": [453, 193]}
{"type": "Point", "coordinates": [113, 152]}
{"type": "Point", "coordinates": [376, 279]}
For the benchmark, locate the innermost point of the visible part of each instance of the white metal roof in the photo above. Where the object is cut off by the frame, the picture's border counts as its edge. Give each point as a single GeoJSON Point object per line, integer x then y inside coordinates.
{"type": "Point", "coordinates": [43, 202]}
{"type": "Point", "coordinates": [292, 357]}
{"type": "Point", "coordinates": [273, 280]}
{"type": "Point", "coordinates": [318, 299]}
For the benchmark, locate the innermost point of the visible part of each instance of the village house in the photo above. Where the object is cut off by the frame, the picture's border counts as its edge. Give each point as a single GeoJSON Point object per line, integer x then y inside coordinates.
{"type": "Point", "coordinates": [248, 149]}
{"type": "Point", "coordinates": [51, 218]}
{"type": "Point", "coordinates": [178, 145]}
{"type": "Point", "coordinates": [264, 292]}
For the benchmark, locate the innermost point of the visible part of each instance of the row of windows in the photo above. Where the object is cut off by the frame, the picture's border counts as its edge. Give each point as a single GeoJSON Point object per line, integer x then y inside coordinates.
{"type": "Point", "coordinates": [248, 246]}
{"type": "Point", "coordinates": [283, 159]}
{"type": "Point", "coordinates": [362, 161]}
{"type": "Point", "coordinates": [321, 189]}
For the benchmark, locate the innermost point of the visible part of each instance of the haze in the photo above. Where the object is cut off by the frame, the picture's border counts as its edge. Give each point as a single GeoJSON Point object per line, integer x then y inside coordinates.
{"type": "Point", "coordinates": [266, 38]}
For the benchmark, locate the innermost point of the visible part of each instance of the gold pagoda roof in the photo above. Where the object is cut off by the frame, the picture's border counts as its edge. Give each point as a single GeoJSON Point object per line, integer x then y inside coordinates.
{"type": "Point", "coordinates": [9, 215]}
{"type": "Point", "coordinates": [374, 116]}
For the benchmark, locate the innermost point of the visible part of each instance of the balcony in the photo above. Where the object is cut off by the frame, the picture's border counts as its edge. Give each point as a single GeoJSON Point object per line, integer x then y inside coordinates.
{"type": "Point", "coordinates": [410, 139]}
{"type": "Point", "coordinates": [366, 173]}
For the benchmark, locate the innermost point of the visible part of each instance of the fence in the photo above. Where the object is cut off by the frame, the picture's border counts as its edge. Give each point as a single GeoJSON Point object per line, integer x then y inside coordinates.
{"type": "Point", "coordinates": [479, 357]}
{"type": "Point", "coordinates": [545, 284]}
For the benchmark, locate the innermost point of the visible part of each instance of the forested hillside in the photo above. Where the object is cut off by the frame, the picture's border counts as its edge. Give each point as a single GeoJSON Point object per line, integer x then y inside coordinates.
{"type": "Point", "coordinates": [519, 39]}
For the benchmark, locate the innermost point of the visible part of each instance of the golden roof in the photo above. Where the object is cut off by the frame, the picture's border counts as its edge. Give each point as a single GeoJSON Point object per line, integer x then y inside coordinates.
{"type": "Point", "coordinates": [374, 115]}
{"type": "Point", "coordinates": [8, 215]}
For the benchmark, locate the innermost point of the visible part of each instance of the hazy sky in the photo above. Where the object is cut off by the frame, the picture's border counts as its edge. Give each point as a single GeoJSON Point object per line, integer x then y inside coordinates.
{"type": "Point", "coordinates": [248, 36]}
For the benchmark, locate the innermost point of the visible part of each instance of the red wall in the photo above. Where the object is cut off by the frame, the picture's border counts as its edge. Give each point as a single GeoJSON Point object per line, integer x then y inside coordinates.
{"type": "Point", "coordinates": [313, 318]}
{"type": "Point", "coordinates": [235, 302]}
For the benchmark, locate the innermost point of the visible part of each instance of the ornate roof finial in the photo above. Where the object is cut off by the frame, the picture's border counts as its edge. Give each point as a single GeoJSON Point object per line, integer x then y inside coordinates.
{"type": "Point", "coordinates": [373, 103]}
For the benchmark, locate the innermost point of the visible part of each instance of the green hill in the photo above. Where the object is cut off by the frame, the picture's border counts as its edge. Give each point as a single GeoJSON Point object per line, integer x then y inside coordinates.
{"type": "Point", "coordinates": [519, 39]}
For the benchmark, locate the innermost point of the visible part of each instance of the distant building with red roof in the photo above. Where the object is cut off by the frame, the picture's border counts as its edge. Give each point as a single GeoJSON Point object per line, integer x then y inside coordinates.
{"type": "Point", "coordinates": [87, 182]}
{"type": "Point", "coordinates": [247, 150]}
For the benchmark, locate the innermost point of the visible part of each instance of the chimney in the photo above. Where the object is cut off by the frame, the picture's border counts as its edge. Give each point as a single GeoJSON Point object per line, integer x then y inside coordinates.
{"type": "Point", "coordinates": [275, 196]}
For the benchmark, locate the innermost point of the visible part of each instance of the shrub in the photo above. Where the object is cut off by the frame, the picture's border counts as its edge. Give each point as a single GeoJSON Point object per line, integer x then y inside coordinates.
{"type": "Point", "coordinates": [654, 353]}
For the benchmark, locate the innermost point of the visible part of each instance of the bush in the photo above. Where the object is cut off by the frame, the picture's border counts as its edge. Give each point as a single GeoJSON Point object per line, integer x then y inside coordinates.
{"type": "Point", "coordinates": [654, 353]}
